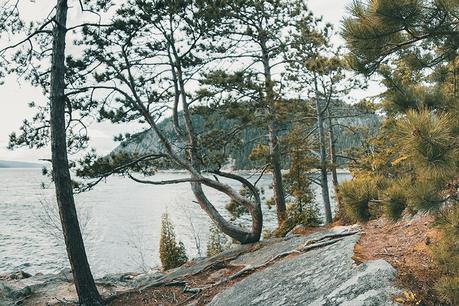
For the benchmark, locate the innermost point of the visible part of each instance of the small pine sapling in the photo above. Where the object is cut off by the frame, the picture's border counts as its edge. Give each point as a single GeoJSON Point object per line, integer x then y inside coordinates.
{"type": "Point", "coordinates": [171, 252]}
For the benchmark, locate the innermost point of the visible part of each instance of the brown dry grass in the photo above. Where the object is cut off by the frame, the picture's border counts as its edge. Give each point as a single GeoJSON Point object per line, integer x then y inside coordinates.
{"type": "Point", "coordinates": [406, 246]}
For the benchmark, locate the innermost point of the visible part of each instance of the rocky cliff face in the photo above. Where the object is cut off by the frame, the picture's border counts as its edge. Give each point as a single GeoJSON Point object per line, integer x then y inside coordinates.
{"type": "Point", "coordinates": [349, 133]}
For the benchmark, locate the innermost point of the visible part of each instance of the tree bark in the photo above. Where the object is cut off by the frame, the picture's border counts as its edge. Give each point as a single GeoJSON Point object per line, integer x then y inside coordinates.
{"type": "Point", "coordinates": [226, 227]}
{"type": "Point", "coordinates": [323, 163]}
{"type": "Point", "coordinates": [332, 150]}
{"type": "Point", "coordinates": [84, 281]}
{"type": "Point", "coordinates": [274, 149]}
{"type": "Point", "coordinates": [278, 188]}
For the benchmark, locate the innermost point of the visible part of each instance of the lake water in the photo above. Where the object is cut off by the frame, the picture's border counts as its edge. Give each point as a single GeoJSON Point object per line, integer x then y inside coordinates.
{"type": "Point", "coordinates": [121, 221]}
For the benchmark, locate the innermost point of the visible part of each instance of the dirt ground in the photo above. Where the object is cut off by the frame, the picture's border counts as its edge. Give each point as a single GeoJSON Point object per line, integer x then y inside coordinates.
{"type": "Point", "coordinates": [405, 245]}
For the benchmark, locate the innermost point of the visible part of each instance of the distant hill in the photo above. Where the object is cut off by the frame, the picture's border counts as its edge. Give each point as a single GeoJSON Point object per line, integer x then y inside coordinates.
{"type": "Point", "coordinates": [16, 164]}
{"type": "Point", "coordinates": [348, 131]}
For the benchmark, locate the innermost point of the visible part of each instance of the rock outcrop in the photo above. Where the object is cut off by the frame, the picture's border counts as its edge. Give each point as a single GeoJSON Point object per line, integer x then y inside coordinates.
{"type": "Point", "coordinates": [317, 269]}
{"type": "Point", "coordinates": [322, 276]}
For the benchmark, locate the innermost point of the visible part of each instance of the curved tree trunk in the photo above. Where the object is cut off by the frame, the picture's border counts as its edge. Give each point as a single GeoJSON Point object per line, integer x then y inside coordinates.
{"type": "Point", "coordinates": [226, 227]}
{"type": "Point", "coordinates": [192, 165]}
{"type": "Point", "coordinates": [84, 282]}
{"type": "Point", "coordinates": [192, 162]}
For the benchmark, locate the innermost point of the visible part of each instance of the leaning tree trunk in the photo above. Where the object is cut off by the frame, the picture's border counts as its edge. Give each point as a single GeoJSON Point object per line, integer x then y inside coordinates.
{"type": "Point", "coordinates": [84, 282]}
{"type": "Point", "coordinates": [226, 227]}
{"type": "Point", "coordinates": [323, 164]}
{"type": "Point", "coordinates": [192, 165]}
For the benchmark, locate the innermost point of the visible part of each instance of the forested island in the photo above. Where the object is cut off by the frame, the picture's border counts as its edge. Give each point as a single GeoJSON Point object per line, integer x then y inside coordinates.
{"type": "Point", "coordinates": [213, 88]}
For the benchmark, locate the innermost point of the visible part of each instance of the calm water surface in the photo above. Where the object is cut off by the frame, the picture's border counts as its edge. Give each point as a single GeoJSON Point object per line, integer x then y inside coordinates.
{"type": "Point", "coordinates": [121, 221]}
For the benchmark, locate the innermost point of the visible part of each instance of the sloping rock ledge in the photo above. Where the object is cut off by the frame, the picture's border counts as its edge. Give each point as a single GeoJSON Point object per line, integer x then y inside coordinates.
{"type": "Point", "coordinates": [317, 269]}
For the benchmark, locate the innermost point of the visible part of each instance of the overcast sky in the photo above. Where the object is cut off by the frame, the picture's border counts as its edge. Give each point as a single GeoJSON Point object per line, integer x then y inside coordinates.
{"type": "Point", "coordinates": [15, 95]}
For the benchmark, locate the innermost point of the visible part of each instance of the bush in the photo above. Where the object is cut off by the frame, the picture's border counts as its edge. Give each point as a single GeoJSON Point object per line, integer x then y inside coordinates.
{"type": "Point", "coordinates": [446, 255]}
{"type": "Point", "coordinates": [307, 217]}
{"type": "Point", "coordinates": [216, 242]}
{"type": "Point", "coordinates": [171, 253]}
{"type": "Point", "coordinates": [356, 195]}
{"type": "Point", "coordinates": [395, 200]}
{"type": "Point", "coordinates": [340, 212]}
{"type": "Point", "coordinates": [425, 196]}
{"type": "Point", "coordinates": [448, 289]}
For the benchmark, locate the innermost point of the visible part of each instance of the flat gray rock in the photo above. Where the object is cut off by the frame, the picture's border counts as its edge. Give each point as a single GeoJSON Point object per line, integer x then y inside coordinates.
{"type": "Point", "coordinates": [322, 276]}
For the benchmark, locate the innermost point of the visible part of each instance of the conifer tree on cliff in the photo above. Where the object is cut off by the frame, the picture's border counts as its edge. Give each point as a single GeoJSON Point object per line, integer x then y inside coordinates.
{"type": "Point", "coordinates": [57, 126]}
{"type": "Point", "coordinates": [395, 39]}
{"type": "Point", "coordinates": [413, 164]}
{"type": "Point", "coordinates": [149, 61]}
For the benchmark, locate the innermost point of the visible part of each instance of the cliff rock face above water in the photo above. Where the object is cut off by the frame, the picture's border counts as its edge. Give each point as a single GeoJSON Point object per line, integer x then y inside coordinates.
{"type": "Point", "coordinates": [316, 269]}
{"type": "Point", "coordinates": [147, 142]}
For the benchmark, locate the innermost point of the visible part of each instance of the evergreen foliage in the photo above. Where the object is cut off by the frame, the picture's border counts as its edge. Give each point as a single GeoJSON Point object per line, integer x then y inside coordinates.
{"type": "Point", "coordinates": [357, 195]}
{"type": "Point", "coordinates": [446, 254]}
{"type": "Point", "coordinates": [414, 46]}
{"type": "Point", "coordinates": [428, 141]}
{"type": "Point", "coordinates": [395, 199]}
{"type": "Point", "coordinates": [418, 142]}
{"type": "Point", "coordinates": [300, 209]}
{"type": "Point", "coordinates": [234, 208]}
{"type": "Point", "coordinates": [380, 28]}
{"type": "Point", "coordinates": [171, 252]}
{"type": "Point", "coordinates": [298, 215]}
{"type": "Point", "coordinates": [216, 242]}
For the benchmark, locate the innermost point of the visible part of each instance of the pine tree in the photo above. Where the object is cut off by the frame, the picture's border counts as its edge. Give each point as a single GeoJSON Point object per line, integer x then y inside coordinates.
{"type": "Point", "coordinates": [417, 145]}
{"type": "Point", "coordinates": [171, 252]}
{"type": "Point", "coordinates": [35, 48]}
{"type": "Point", "coordinates": [152, 58]}
{"type": "Point", "coordinates": [413, 163]}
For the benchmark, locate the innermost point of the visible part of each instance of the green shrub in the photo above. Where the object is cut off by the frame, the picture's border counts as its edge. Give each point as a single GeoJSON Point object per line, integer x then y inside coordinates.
{"type": "Point", "coordinates": [306, 216]}
{"type": "Point", "coordinates": [171, 253]}
{"type": "Point", "coordinates": [395, 200]}
{"type": "Point", "coordinates": [340, 212]}
{"type": "Point", "coordinates": [356, 195]}
{"type": "Point", "coordinates": [448, 289]}
{"type": "Point", "coordinates": [425, 196]}
{"type": "Point", "coordinates": [446, 254]}
{"type": "Point", "coordinates": [216, 242]}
